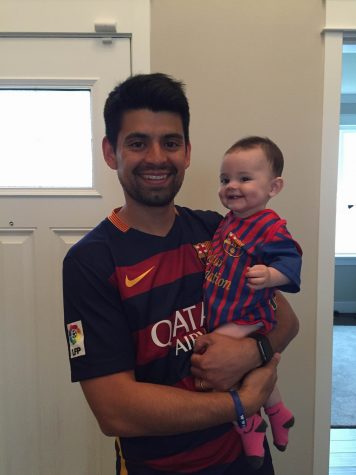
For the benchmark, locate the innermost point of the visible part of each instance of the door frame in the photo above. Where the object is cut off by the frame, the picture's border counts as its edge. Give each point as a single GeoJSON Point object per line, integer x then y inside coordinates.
{"type": "Point", "coordinates": [326, 248]}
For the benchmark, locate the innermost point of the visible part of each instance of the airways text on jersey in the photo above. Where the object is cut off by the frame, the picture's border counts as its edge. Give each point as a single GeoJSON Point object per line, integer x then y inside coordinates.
{"type": "Point", "coordinates": [178, 332]}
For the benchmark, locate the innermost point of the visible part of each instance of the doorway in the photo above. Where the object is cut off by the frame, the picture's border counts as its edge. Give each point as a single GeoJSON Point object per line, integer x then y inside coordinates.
{"type": "Point", "coordinates": [343, 402]}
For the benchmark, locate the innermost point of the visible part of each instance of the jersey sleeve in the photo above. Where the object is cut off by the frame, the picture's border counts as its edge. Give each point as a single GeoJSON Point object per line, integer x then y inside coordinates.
{"type": "Point", "coordinates": [98, 335]}
{"type": "Point", "coordinates": [281, 252]}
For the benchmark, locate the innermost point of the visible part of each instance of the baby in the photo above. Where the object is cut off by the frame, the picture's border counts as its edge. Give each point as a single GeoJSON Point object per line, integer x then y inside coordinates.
{"type": "Point", "coordinates": [252, 254]}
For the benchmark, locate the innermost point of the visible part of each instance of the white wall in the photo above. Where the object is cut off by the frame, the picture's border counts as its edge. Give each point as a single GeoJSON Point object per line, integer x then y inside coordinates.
{"type": "Point", "coordinates": [257, 68]}
{"type": "Point", "coordinates": [80, 16]}
{"type": "Point", "coordinates": [345, 287]}
{"type": "Point", "coordinates": [340, 14]}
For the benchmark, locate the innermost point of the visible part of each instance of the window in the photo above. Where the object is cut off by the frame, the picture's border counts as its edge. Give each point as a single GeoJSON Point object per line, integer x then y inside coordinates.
{"type": "Point", "coordinates": [346, 194]}
{"type": "Point", "coordinates": [46, 139]}
{"type": "Point", "coordinates": [345, 244]}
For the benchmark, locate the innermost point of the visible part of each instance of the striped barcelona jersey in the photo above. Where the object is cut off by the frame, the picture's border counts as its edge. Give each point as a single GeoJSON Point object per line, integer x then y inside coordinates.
{"type": "Point", "coordinates": [241, 243]}
{"type": "Point", "coordinates": [133, 301]}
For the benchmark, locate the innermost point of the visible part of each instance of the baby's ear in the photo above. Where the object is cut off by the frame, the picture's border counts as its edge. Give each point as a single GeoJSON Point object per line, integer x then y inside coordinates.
{"type": "Point", "coordinates": [276, 186]}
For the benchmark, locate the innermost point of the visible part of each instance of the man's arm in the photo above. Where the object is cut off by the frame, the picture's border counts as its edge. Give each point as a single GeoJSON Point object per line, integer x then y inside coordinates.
{"type": "Point", "coordinates": [127, 408]}
{"type": "Point", "coordinates": [220, 361]}
{"type": "Point", "coordinates": [287, 326]}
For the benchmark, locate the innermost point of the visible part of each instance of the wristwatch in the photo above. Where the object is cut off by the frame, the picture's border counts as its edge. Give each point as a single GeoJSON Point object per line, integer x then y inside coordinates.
{"type": "Point", "coordinates": [264, 347]}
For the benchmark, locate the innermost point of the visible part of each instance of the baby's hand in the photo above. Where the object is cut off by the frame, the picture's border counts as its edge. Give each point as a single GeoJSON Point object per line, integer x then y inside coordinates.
{"type": "Point", "coordinates": [258, 277]}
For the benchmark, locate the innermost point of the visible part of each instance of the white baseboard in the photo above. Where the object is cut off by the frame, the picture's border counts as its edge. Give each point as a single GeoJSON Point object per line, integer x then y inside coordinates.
{"type": "Point", "coordinates": [347, 306]}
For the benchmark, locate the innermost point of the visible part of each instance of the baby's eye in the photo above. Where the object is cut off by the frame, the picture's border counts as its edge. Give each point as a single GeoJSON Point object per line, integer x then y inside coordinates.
{"type": "Point", "coordinates": [224, 181]}
{"type": "Point", "coordinates": [245, 178]}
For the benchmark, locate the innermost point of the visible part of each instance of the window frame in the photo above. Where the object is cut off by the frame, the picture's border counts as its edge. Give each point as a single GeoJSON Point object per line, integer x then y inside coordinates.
{"type": "Point", "coordinates": [54, 84]}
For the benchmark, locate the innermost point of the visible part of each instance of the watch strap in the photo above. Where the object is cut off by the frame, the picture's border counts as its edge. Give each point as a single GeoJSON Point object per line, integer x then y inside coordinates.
{"type": "Point", "coordinates": [264, 347]}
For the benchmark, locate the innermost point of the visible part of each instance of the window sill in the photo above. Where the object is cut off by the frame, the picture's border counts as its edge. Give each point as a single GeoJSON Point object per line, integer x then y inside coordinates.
{"type": "Point", "coordinates": [345, 260]}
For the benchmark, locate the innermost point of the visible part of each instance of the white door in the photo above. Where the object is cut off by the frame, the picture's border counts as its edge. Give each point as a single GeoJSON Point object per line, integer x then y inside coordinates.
{"type": "Point", "coordinates": [46, 426]}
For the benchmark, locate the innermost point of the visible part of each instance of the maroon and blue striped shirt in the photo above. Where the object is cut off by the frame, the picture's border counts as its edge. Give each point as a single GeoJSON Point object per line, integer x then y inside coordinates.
{"type": "Point", "coordinates": [240, 243]}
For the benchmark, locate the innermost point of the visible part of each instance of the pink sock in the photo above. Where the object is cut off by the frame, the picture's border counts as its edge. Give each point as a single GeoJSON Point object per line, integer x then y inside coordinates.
{"type": "Point", "coordinates": [281, 420]}
{"type": "Point", "coordinates": [252, 438]}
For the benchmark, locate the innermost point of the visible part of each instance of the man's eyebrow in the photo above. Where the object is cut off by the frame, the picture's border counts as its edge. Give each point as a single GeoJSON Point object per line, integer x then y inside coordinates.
{"type": "Point", "coordinates": [136, 135]}
{"type": "Point", "coordinates": [141, 135]}
{"type": "Point", "coordinates": [174, 136]}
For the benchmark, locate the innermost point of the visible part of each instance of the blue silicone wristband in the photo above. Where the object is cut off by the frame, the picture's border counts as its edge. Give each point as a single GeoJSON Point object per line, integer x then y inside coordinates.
{"type": "Point", "coordinates": [239, 409]}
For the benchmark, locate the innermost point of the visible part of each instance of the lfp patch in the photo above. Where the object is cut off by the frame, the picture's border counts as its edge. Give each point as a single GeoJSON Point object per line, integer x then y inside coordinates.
{"type": "Point", "coordinates": [76, 339]}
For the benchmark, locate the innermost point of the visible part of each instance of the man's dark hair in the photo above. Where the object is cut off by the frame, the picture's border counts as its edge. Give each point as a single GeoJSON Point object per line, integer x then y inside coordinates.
{"type": "Point", "coordinates": [271, 150]}
{"type": "Point", "coordinates": [156, 92]}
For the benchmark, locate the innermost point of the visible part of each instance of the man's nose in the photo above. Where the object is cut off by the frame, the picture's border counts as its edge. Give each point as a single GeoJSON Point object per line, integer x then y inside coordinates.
{"type": "Point", "coordinates": [156, 154]}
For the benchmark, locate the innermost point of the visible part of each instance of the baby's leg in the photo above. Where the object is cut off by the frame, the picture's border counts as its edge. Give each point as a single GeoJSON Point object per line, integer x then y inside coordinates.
{"type": "Point", "coordinates": [280, 418]}
{"type": "Point", "coordinates": [253, 435]}
{"type": "Point", "coordinates": [238, 331]}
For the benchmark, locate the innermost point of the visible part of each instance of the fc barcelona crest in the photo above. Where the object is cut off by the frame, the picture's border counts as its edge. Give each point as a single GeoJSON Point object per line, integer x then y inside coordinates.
{"type": "Point", "coordinates": [233, 246]}
{"type": "Point", "coordinates": [202, 250]}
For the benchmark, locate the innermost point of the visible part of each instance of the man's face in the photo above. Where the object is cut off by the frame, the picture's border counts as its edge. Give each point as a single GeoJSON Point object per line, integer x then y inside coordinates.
{"type": "Point", "coordinates": [151, 156]}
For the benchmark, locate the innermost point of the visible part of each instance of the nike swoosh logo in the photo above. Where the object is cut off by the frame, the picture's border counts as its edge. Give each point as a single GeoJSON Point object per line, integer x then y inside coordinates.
{"type": "Point", "coordinates": [132, 282]}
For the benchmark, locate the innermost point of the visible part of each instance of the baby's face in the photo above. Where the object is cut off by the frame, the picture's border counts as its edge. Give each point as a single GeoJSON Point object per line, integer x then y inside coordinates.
{"type": "Point", "coordinates": [246, 181]}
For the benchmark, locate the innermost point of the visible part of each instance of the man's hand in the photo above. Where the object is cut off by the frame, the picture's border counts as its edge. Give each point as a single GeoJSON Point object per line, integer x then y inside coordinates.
{"type": "Point", "coordinates": [221, 361]}
{"type": "Point", "coordinates": [258, 385]}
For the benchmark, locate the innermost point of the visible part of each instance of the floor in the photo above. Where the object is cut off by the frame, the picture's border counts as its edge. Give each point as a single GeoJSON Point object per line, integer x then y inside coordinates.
{"type": "Point", "coordinates": [343, 441]}
{"type": "Point", "coordinates": [342, 452]}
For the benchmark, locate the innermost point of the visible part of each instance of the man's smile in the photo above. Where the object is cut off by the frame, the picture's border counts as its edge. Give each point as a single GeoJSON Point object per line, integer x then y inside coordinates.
{"type": "Point", "coordinates": [155, 177]}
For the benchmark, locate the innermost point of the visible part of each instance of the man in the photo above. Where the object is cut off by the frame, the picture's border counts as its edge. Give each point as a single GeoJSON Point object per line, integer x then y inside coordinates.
{"type": "Point", "coordinates": [133, 304]}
